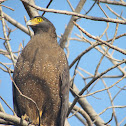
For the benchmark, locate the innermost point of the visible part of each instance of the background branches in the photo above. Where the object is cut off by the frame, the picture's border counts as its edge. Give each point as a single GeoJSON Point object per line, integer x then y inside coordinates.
{"type": "Point", "coordinates": [92, 32]}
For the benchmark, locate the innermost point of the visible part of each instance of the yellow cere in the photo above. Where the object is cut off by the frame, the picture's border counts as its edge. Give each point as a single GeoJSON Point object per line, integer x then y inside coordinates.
{"type": "Point", "coordinates": [36, 20]}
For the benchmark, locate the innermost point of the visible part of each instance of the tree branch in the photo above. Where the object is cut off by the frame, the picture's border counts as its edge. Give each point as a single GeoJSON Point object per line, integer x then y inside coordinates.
{"type": "Point", "coordinates": [77, 14]}
{"type": "Point", "coordinates": [16, 24]}
{"type": "Point", "coordinates": [89, 84]}
{"type": "Point", "coordinates": [98, 39]}
{"type": "Point", "coordinates": [13, 119]}
{"type": "Point", "coordinates": [70, 25]}
{"type": "Point", "coordinates": [87, 107]}
{"type": "Point", "coordinates": [32, 12]}
{"type": "Point", "coordinates": [113, 2]}
{"type": "Point", "coordinates": [83, 113]}
{"type": "Point", "coordinates": [6, 37]}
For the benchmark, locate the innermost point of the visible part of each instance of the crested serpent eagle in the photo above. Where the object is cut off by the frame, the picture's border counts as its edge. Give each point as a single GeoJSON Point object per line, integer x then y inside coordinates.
{"type": "Point", "coordinates": [42, 74]}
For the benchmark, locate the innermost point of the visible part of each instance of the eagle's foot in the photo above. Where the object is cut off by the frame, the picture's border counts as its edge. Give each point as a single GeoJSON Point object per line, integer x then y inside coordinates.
{"type": "Point", "coordinates": [36, 122]}
{"type": "Point", "coordinates": [25, 117]}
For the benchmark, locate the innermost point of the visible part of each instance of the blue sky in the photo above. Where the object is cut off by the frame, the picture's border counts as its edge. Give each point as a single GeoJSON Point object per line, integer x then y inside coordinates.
{"type": "Point", "coordinates": [89, 60]}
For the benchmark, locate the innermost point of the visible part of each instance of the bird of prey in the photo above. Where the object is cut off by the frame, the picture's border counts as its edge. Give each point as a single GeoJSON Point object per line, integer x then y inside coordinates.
{"type": "Point", "coordinates": [42, 74]}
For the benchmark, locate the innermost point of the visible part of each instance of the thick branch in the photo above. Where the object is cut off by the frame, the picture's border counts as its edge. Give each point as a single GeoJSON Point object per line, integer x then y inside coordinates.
{"type": "Point", "coordinates": [87, 107]}
{"type": "Point", "coordinates": [77, 14]}
{"type": "Point", "coordinates": [70, 25]}
{"type": "Point", "coordinates": [89, 84]}
{"type": "Point", "coordinates": [13, 119]}
{"type": "Point", "coordinates": [16, 24]}
{"type": "Point", "coordinates": [32, 12]}
{"type": "Point", "coordinates": [83, 113]}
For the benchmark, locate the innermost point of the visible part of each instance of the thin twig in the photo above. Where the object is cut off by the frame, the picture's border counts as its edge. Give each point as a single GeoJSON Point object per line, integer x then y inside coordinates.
{"type": "Point", "coordinates": [91, 7]}
{"type": "Point", "coordinates": [30, 33]}
{"type": "Point", "coordinates": [122, 121]}
{"type": "Point", "coordinates": [47, 6]}
{"type": "Point", "coordinates": [85, 51]}
{"type": "Point", "coordinates": [83, 113]}
{"type": "Point", "coordinates": [110, 97]}
{"type": "Point", "coordinates": [8, 106]}
{"type": "Point", "coordinates": [115, 13]}
{"type": "Point", "coordinates": [103, 42]}
{"type": "Point", "coordinates": [5, 35]}
{"type": "Point", "coordinates": [5, 39]}
{"type": "Point", "coordinates": [109, 120]}
{"type": "Point", "coordinates": [26, 97]}
{"type": "Point", "coordinates": [7, 7]}
{"type": "Point", "coordinates": [75, 71]}
{"type": "Point", "coordinates": [1, 108]}
{"type": "Point", "coordinates": [78, 116]}
{"type": "Point", "coordinates": [118, 92]}
{"type": "Point", "coordinates": [70, 5]}
{"type": "Point", "coordinates": [6, 68]}
{"type": "Point", "coordinates": [89, 84]}
{"type": "Point", "coordinates": [111, 107]}
{"type": "Point", "coordinates": [104, 88]}
{"type": "Point", "coordinates": [117, 37]}
{"type": "Point", "coordinates": [16, 24]}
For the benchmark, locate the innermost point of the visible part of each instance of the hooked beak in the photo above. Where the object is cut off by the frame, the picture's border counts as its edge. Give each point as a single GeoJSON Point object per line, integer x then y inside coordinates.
{"type": "Point", "coordinates": [28, 23]}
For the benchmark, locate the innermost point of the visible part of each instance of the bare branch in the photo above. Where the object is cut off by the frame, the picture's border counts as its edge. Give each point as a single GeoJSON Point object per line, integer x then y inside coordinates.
{"type": "Point", "coordinates": [79, 117]}
{"type": "Point", "coordinates": [13, 119]}
{"type": "Point", "coordinates": [7, 7]}
{"type": "Point", "coordinates": [70, 25]}
{"type": "Point", "coordinates": [32, 12]}
{"type": "Point", "coordinates": [6, 37]}
{"type": "Point", "coordinates": [88, 85]}
{"type": "Point", "coordinates": [83, 113]}
{"type": "Point", "coordinates": [104, 88]}
{"type": "Point", "coordinates": [113, 2]}
{"type": "Point", "coordinates": [85, 51]}
{"type": "Point", "coordinates": [110, 97]}
{"type": "Point", "coordinates": [16, 24]}
{"type": "Point", "coordinates": [103, 42]}
{"type": "Point", "coordinates": [70, 5]}
{"type": "Point", "coordinates": [8, 106]}
{"type": "Point", "coordinates": [115, 13]}
{"type": "Point", "coordinates": [89, 79]}
{"type": "Point", "coordinates": [47, 6]}
{"type": "Point", "coordinates": [5, 70]}
{"type": "Point", "coordinates": [112, 107]}
{"type": "Point", "coordinates": [1, 108]}
{"type": "Point", "coordinates": [117, 37]}
{"type": "Point", "coordinates": [77, 14]}
{"type": "Point", "coordinates": [87, 107]}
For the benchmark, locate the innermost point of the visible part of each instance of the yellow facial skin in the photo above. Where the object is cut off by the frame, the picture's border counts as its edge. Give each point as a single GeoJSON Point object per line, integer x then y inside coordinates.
{"type": "Point", "coordinates": [34, 21]}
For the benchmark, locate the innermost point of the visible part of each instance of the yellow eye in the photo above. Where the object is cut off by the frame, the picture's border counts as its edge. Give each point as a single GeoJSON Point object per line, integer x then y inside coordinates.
{"type": "Point", "coordinates": [36, 20]}
{"type": "Point", "coordinates": [39, 19]}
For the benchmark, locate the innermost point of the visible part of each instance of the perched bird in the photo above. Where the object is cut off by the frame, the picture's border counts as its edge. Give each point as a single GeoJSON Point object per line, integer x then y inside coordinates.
{"type": "Point", "coordinates": [42, 74]}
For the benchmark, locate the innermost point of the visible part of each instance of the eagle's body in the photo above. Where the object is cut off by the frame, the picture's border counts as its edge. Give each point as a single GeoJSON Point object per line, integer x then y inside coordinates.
{"type": "Point", "coordinates": [42, 74]}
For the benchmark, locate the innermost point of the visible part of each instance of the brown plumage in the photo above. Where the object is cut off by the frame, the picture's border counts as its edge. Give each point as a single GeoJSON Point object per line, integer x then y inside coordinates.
{"type": "Point", "coordinates": [42, 74]}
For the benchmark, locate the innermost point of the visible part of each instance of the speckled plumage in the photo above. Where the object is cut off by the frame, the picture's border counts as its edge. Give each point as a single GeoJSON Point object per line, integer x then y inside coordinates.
{"type": "Point", "coordinates": [42, 73]}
